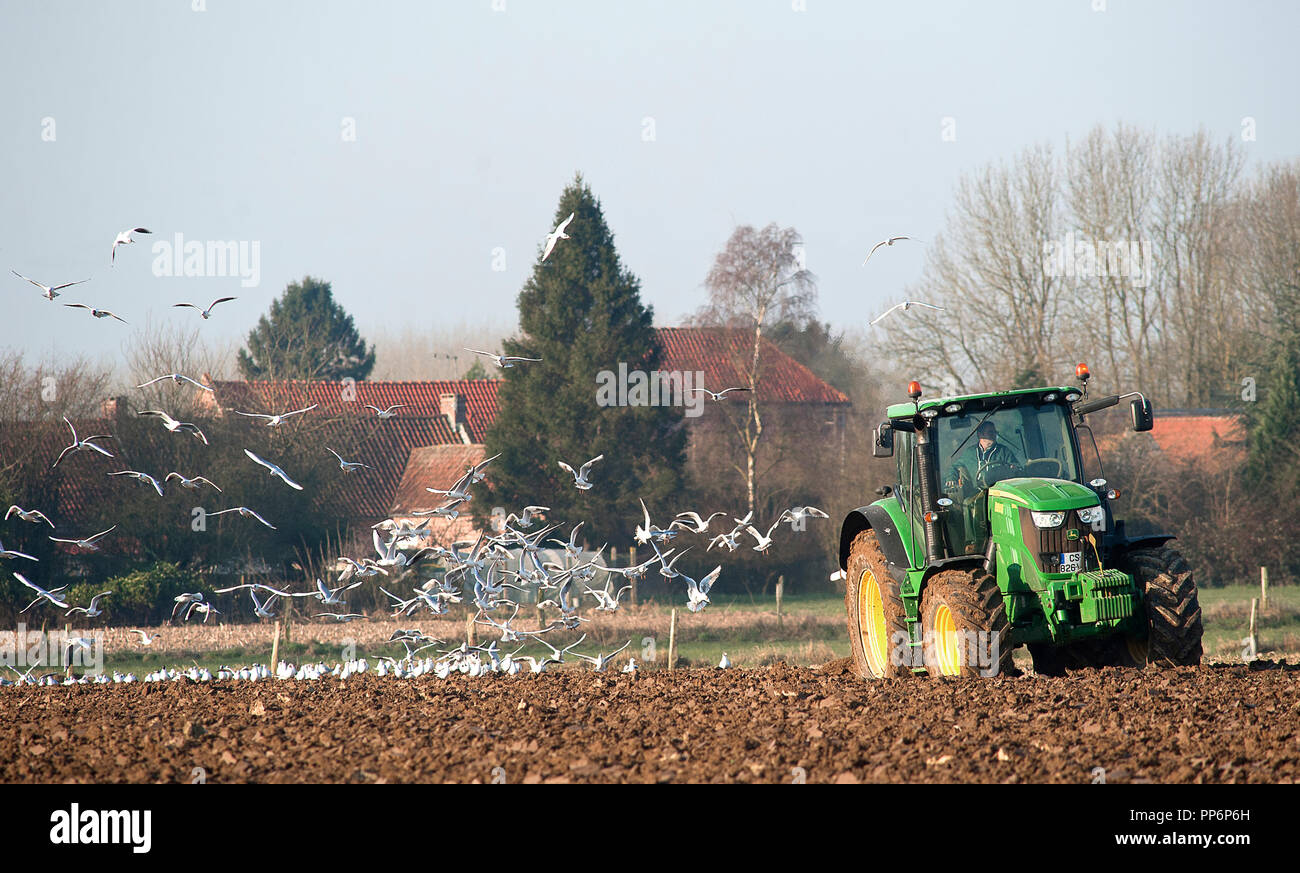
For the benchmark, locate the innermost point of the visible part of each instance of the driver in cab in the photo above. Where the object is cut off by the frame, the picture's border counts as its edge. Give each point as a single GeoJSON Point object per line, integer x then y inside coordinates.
{"type": "Point", "coordinates": [971, 472]}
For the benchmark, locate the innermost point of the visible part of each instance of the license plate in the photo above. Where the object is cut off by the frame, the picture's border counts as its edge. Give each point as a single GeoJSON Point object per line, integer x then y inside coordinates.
{"type": "Point", "coordinates": [1071, 562]}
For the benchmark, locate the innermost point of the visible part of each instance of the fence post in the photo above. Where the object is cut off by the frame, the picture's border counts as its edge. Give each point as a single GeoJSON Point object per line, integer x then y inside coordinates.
{"type": "Point", "coordinates": [780, 594]}
{"type": "Point", "coordinates": [1254, 642]}
{"type": "Point", "coordinates": [672, 640]}
{"type": "Point", "coordinates": [275, 648]}
{"type": "Point", "coordinates": [1263, 589]}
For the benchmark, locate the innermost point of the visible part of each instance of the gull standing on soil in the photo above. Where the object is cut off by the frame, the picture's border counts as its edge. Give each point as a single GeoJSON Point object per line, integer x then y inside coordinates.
{"type": "Point", "coordinates": [885, 242]}
{"type": "Point", "coordinates": [124, 239]}
{"type": "Point", "coordinates": [274, 470]}
{"type": "Point", "coordinates": [725, 662]}
{"type": "Point", "coordinates": [176, 426]}
{"type": "Point", "coordinates": [348, 466]}
{"type": "Point", "coordinates": [79, 445]}
{"type": "Point", "coordinates": [387, 413]}
{"type": "Point", "coordinates": [246, 513]}
{"type": "Point", "coordinates": [98, 313]}
{"type": "Point", "coordinates": [276, 420]}
{"type": "Point", "coordinates": [206, 313]}
{"type": "Point", "coordinates": [178, 378]}
{"type": "Point", "coordinates": [92, 611]}
{"type": "Point", "coordinates": [905, 305]}
{"type": "Point", "coordinates": [192, 484]}
{"type": "Point", "coordinates": [35, 516]}
{"type": "Point", "coordinates": [143, 478]}
{"type": "Point", "coordinates": [580, 478]}
{"type": "Point", "coordinates": [505, 361]}
{"type": "Point", "coordinates": [556, 235]}
{"type": "Point", "coordinates": [718, 395]}
{"type": "Point", "coordinates": [88, 544]}
{"type": "Point", "coordinates": [50, 291]}
{"type": "Point", "coordinates": [53, 595]}
{"type": "Point", "coordinates": [10, 553]}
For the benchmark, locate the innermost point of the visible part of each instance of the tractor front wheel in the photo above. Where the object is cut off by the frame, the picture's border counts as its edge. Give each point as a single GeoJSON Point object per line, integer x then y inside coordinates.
{"type": "Point", "coordinates": [965, 625]}
{"type": "Point", "coordinates": [1172, 609]}
{"type": "Point", "coordinates": [877, 621]}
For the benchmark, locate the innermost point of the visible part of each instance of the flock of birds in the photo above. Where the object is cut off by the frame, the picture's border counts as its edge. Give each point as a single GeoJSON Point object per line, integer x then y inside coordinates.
{"type": "Point", "coordinates": [491, 572]}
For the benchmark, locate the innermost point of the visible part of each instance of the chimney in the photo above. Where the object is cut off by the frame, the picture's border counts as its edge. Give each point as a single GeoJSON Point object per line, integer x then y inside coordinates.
{"type": "Point", "coordinates": [111, 407]}
{"type": "Point", "coordinates": [453, 409]}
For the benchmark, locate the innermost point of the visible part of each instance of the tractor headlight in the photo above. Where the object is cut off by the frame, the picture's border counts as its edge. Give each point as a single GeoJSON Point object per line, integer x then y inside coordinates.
{"type": "Point", "coordinates": [1048, 519]}
{"type": "Point", "coordinates": [1091, 514]}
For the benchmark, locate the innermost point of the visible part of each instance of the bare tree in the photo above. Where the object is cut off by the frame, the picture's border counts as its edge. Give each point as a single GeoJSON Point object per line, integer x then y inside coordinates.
{"type": "Point", "coordinates": [756, 280]}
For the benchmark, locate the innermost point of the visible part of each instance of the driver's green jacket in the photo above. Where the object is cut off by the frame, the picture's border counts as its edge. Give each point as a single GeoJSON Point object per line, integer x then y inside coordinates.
{"type": "Point", "coordinates": [976, 460]}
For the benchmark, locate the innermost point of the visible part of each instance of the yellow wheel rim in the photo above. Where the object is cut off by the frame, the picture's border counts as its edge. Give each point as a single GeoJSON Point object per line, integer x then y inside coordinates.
{"type": "Point", "coordinates": [871, 621]}
{"type": "Point", "coordinates": [947, 644]}
{"type": "Point", "coordinates": [1137, 650]}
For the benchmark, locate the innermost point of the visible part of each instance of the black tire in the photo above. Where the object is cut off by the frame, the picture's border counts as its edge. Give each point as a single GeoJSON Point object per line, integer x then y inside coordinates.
{"type": "Point", "coordinates": [1050, 660]}
{"type": "Point", "coordinates": [866, 570]}
{"type": "Point", "coordinates": [1173, 612]}
{"type": "Point", "coordinates": [973, 638]}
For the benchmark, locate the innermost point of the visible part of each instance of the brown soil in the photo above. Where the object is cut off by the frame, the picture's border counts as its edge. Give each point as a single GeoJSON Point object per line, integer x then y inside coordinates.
{"type": "Point", "coordinates": [777, 724]}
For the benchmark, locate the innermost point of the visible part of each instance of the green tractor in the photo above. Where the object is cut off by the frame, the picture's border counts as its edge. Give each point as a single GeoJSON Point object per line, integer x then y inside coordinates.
{"type": "Point", "coordinates": [991, 539]}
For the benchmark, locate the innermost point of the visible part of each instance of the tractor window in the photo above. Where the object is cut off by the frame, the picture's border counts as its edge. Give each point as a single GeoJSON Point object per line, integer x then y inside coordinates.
{"type": "Point", "coordinates": [904, 455]}
{"type": "Point", "coordinates": [1027, 440]}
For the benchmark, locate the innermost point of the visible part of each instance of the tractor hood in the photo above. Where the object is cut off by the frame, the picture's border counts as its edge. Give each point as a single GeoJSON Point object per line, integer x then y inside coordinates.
{"type": "Point", "coordinates": [1045, 495]}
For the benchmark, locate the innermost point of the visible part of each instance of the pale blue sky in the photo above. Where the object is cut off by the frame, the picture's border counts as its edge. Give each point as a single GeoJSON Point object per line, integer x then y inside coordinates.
{"type": "Point", "coordinates": [226, 124]}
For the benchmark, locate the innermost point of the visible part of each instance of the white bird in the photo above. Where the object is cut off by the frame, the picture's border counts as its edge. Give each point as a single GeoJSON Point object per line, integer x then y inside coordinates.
{"type": "Point", "coordinates": [556, 235]}
{"type": "Point", "coordinates": [725, 662]}
{"type": "Point", "coordinates": [885, 242]}
{"type": "Point", "coordinates": [529, 514]}
{"type": "Point", "coordinates": [178, 378]}
{"type": "Point", "coordinates": [799, 514]}
{"type": "Point", "coordinates": [764, 540]}
{"type": "Point", "coordinates": [145, 639]}
{"type": "Point", "coordinates": [35, 516]}
{"type": "Point", "coordinates": [143, 478]}
{"type": "Point", "coordinates": [274, 470]}
{"type": "Point", "coordinates": [98, 313]}
{"type": "Point", "coordinates": [906, 304]}
{"type": "Point", "coordinates": [276, 420]}
{"type": "Point", "coordinates": [175, 426]}
{"type": "Point", "coordinates": [261, 608]}
{"type": "Point", "coordinates": [246, 513]}
{"type": "Point", "coordinates": [78, 445]}
{"type": "Point", "coordinates": [192, 484]}
{"type": "Point", "coordinates": [348, 466]}
{"type": "Point", "coordinates": [701, 525]}
{"type": "Point", "coordinates": [636, 572]}
{"type": "Point", "coordinates": [697, 593]}
{"type": "Point", "coordinates": [630, 666]}
{"type": "Point", "coordinates": [340, 616]}
{"type": "Point", "coordinates": [600, 661]}
{"type": "Point", "coordinates": [645, 533]}
{"type": "Point", "coordinates": [504, 361]}
{"type": "Point", "coordinates": [187, 597]}
{"type": "Point", "coordinates": [88, 544]}
{"type": "Point", "coordinates": [10, 553]}
{"type": "Point", "coordinates": [206, 313]}
{"type": "Point", "coordinates": [571, 548]}
{"type": "Point", "coordinates": [386, 413]}
{"type": "Point", "coordinates": [580, 478]}
{"type": "Point", "coordinates": [719, 394]}
{"type": "Point", "coordinates": [124, 239]}
{"type": "Point", "coordinates": [53, 595]}
{"type": "Point", "coordinates": [92, 611]}
{"type": "Point", "coordinates": [606, 600]}
{"type": "Point", "coordinates": [206, 608]}
{"type": "Point", "coordinates": [51, 291]}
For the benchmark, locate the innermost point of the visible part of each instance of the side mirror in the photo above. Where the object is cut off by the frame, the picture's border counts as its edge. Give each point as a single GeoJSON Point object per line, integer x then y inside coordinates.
{"type": "Point", "coordinates": [883, 445]}
{"type": "Point", "coordinates": [1143, 418]}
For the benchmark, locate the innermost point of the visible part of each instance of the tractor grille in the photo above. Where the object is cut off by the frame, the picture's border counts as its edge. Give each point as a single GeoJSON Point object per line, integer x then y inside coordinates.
{"type": "Point", "coordinates": [1048, 544]}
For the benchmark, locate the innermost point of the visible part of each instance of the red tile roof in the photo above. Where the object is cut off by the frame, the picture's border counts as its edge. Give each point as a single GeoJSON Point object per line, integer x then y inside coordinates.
{"type": "Point", "coordinates": [436, 467]}
{"type": "Point", "coordinates": [422, 399]}
{"type": "Point", "coordinates": [1215, 438]}
{"type": "Point", "coordinates": [724, 355]}
{"type": "Point", "coordinates": [369, 493]}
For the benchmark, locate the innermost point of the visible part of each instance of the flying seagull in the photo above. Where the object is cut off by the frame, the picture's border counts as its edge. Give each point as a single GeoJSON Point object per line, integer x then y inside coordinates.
{"type": "Point", "coordinates": [98, 313]}
{"type": "Point", "coordinates": [10, 553]}
{"type": "Point", "coordinates": [78, 445]}
{"type": "Point", "coordinates": [905, 305]}
{"type": "Point", "coordinates": [580, 477]}
{"type": "Point", "coordinates": [145, 639]}
{"type": "Point", "coordinates": [718, 395]}
{"type": "Point", "coordinates": [141, 477]}
{"type": "Point", "coordinates": [35, 516]}
{"type": "Point", "coordinates": [386, 413]}
{"type": "Point", "coordinates": [87, 544]}
{"type": "Point", "coordinates": [51, 291]}
{"type": "Point", "coordinates": [124, 239]}
{"type": "Point", "coordinates": [275, 471]}
{"type": "Point", "coordinates": [206, 313]}
{"type": "Point", "coordinates": [883, 242]}
{"type": "Point", "coordinates": [178, 378]}
{"type": "Point", "coordinates": [800, 514]}
{"type": "Point", "coordinates": [701, 525]}
{"type": "Point", "coordinates": [504, 361]}
{"type": "Point", "coordinates": [555, 236]}
{"type": "Point", "coordinates": [192, 484]}
{"type": "Point", "coordinates": [92, 611]}
{"type": "Point", "coordinates": [246, 513]}
{"type": "Point", "coordinates": [176, 426]}
{"type": "Point", "coordinates": [347, 466]}
{"type": "Point", "coordinates": [277, 420]}
{"type": "Point", "coordinates": [54, 595]}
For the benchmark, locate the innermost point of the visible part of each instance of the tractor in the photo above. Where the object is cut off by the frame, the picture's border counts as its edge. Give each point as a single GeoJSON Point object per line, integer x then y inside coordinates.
{"type": "Point", "coordinates": [991, 538]}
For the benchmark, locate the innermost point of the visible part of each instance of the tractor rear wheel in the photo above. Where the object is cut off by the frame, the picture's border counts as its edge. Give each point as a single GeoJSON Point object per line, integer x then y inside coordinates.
{"type": "Point", "coordinates": [965, 625]}
{"type": "Point", "coordinates": [1172, 610]}
{"type": "Point", "coordinates": [877, 620]}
